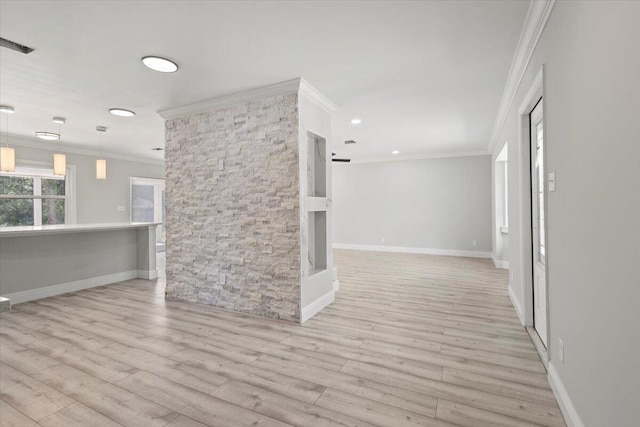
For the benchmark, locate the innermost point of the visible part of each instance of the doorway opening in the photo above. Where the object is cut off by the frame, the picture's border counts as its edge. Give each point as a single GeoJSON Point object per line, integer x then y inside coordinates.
{"type": "Point", "coordinates": [148, 205]}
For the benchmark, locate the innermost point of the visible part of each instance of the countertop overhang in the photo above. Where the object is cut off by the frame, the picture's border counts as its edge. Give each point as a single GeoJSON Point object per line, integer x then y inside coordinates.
{"type": "Point", "coordinates": [40, 230]}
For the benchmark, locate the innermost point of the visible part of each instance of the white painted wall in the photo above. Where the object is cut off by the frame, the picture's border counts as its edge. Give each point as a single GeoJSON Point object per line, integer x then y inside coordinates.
{"type": "Point", "coordinates": [97, 200]}
{"type": "Point", "coordinates": [436, 203]}
{"type": "Point", "coordinates": [591, 54]}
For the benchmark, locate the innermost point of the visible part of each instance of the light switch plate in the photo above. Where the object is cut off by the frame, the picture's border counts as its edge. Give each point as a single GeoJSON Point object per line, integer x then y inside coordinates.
{"type": "Point", "coordinates": [552, 181]}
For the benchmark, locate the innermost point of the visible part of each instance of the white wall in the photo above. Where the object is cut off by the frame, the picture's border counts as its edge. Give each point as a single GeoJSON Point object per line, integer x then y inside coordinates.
{"type": "Point", "coordinates": [97, 200]}
{"type": "Point", "coordinates": [435, 204]}
{"type": "Point", "coordinates": [591, 54]}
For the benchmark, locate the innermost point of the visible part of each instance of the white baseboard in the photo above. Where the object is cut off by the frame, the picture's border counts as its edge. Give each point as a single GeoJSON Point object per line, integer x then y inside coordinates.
{"type": "Point", "coordinates": [63, 288]}
{"type": "Point", "coordinates": [148, 274]}
{"type": "Point", "coordinates": [336, 285]}
{"type": "Point", "coordinates": [412, 250]}
{"type": "Point", "coordinates": [315, 307]}
{"type": "Point", "coordinates": [566, 405]}
{"type": "Point", "coordinates": [500, 263]}
{"type": "Point", "coordinates": [516, 305]}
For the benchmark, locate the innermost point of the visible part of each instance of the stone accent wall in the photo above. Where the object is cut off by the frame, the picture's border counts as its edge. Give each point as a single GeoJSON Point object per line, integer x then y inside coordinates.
{"type": "Point", "coordinates": [233, 235]}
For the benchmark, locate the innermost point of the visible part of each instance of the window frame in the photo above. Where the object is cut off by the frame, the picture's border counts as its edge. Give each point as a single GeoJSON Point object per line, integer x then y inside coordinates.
{"type": "Point", "coordinates": [38, 171]}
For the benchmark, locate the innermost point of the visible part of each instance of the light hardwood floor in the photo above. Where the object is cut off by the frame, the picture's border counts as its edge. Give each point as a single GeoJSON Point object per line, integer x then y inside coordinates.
{"type": "Point", "coordinates": [410, 340]}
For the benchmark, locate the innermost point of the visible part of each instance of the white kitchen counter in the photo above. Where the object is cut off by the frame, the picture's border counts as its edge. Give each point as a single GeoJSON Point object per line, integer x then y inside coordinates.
{"type": "Point", "coordinates": [33, 230]}
{"type": "Point", "coordinates": [43, 261]}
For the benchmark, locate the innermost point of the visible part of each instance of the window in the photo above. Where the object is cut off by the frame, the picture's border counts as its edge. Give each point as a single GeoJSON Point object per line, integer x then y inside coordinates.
{"type": "Point", "coordinates": [32, 196]}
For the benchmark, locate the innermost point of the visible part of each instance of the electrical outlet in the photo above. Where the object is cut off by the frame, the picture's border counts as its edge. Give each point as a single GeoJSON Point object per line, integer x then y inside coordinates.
{"type": "Point", "coordinates": [223, 278]}
{"type": "Point", "coordinates": [474, 243]}
{"type": "Point", "coordinates": [561, 350]}
{"type": "Point", "coordinates": [382, 239]}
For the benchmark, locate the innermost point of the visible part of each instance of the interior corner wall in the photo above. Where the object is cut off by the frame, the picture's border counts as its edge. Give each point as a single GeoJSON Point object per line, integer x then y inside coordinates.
{"type": "Point", "coordinates": [429, 204]}
{"type": "Point", "coordinates": [591, 55]}
{"type": "Point", "coordinates": [97, 201]}
{"type": "Point", "coordinates": [233, 235]}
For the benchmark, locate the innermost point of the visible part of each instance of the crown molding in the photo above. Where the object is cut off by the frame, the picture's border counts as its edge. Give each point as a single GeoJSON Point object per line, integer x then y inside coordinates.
{"type": "Point", "coordinates": [19, 141]}
{"type": "Point", "coordinates": [421, 157]}
{"type": "Point", "coordinates": [282, 88]}
{"type": "Point", "coordinates": [296, 86]}
{"type": "Point", "coordinates": [537, 16]}
{"type": "Point", "coordinates": [316, 97]}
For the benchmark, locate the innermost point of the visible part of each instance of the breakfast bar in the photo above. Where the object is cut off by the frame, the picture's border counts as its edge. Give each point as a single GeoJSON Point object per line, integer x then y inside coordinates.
{"type": "Point", "coordinates": [42, 261]}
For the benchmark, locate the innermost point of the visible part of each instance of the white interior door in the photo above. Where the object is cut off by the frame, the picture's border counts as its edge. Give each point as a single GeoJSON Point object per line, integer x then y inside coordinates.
{"type": "Point", "coordinates": [538, 222]}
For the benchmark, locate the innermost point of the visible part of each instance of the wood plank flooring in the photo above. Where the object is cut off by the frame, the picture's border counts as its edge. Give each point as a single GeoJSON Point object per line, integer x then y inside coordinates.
{"type": "Point", "coordinates": [410, 340]}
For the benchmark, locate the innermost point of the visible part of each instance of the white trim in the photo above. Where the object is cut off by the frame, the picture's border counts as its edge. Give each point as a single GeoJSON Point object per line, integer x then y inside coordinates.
{"type": "Point", "coordinates": [535, 21]}
{"type": "Point", "coordinates": [282, 88]}
{"type": "Point", "coordinates": [21, 141]}
{"type": "Point", "coordinates": [63, 288]}
{"type": "Point", "coordinates": [564, 401]}
{"type": "Point", "coordinates": [516, 304]}
{"type": "Point", "coordinates": [500, 263]}
{"type": "Point", "coordinates": [535, 92]}
{"type": "Point", "coordinates": [444, 155]}
{"type": "Point", "coordinates": [413, 250]}
{"type": "Point", "coordinates": [316, 97]}
{"type": "Point", "coordinates": [316, 306]}
{"type": "Point", "coordinates": [539, 346]}
{"type": "Point", "coordinates": [147, 274]}
{"type": "Point", "coordinates": [336, 285]}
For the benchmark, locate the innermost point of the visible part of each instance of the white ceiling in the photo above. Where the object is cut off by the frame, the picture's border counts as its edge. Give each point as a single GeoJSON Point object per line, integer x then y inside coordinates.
{"type": "Point", "coordinates": [426, 78]}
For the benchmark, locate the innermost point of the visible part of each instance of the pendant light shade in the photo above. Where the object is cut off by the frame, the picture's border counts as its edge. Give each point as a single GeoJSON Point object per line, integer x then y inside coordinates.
{"type": "Point", "coordinates": [59, 164]}
{"type": "Point", "coordinates": [7, 159]}
{"type": "Point", "coordinates": [101, 169]}
{"type": "Point", "coordinates": [7, 154]}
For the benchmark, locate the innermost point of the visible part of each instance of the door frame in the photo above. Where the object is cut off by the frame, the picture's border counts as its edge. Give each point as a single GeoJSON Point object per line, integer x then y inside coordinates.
{"type": "Point", "coordinates": [536, 91]}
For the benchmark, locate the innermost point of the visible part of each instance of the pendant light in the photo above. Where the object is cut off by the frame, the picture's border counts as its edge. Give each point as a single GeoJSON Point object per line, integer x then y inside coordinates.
{"type": "Point", "coordinates": [7, 154]}
{"type": "Point", "coordinates": [101, 164]}
{"type": "Point", "coordinates": [59, 159]}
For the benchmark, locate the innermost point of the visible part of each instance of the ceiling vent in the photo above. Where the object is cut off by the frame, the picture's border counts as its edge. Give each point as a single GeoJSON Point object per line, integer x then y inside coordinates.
{"type": "Point", "coordinates": [350, 141]}
{"type": "Point", "coordinates": [15, 46]}
{"type": "Point", "coordinates": [158, 149]}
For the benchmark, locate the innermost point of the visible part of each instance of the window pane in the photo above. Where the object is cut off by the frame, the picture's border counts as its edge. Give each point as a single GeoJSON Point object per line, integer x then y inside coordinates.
{"type": "Point", "coordinates": [52, 211]}
{"type": "Point", "coordinates": [52, 187]}
{"type": "Point", "coordinates": [14, 212]}
{"type": "Point", "coordinates": [16, 185]}
{"type": "Point", "coordinates": [142, 204]}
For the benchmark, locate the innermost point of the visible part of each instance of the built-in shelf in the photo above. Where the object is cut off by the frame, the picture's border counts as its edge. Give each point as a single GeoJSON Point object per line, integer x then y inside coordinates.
{"type": "Point", "coordinates": [317, 242]}
{"type": "Point", "coordinates": [316, 166]}
{"type": "Point", "coordinates": [316, 204]}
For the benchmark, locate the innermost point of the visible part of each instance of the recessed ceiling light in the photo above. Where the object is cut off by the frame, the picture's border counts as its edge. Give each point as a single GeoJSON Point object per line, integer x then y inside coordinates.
{"type": "Point", "coordinates": [7, 109]}
{"type": "Point", "coordinates": [48, 136]}
{"type": "Point", "coordinates": [59, 120]}
{"type": "Point", "coordinates": [395, 152]}
{"type": "Point", "coordinates": [356, 121]}
{"type": "Point", "coordinates": [122, 112]}
{"type": "Point", "coordinates": [157, 63]}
